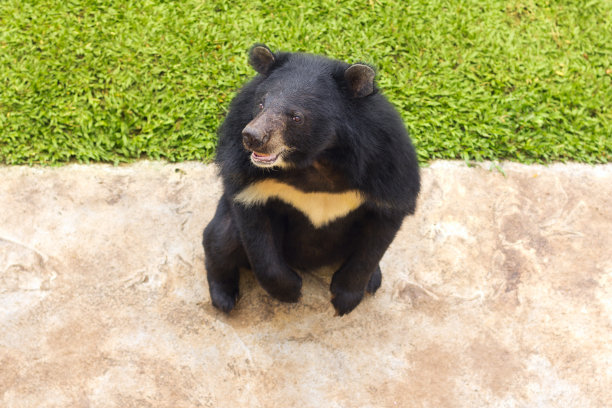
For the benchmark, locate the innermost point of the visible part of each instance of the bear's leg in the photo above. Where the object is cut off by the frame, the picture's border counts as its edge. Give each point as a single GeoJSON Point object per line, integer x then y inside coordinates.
{"type": "Point", "coordinates": [375, 281]}
{"type": "Point", "coordinates": [262, 239]}
{"type": "Point", "coordinates": [348, 287]}
{"type": "Point", "coordinates": [224, 256]}
{"type": "Point", "coordinates": [361, 271]}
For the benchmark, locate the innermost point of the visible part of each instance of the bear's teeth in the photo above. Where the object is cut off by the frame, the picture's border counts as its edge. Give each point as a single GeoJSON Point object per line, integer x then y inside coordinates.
{"type": "Point", "coordinates": [264, 157]}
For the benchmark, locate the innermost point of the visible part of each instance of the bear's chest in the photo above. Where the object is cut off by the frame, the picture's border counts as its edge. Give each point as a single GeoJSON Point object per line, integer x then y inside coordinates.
{"type": "Point", "coordinates": [320, 207]}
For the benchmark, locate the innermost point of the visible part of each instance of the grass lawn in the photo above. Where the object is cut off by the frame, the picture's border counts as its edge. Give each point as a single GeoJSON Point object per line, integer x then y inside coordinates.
{"type": "Point", "coordinates": [118, 80]}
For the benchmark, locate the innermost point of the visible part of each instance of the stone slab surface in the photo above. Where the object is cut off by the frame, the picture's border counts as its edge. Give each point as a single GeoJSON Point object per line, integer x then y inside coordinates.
{"type": "Point", "coordinates": [498, 293]}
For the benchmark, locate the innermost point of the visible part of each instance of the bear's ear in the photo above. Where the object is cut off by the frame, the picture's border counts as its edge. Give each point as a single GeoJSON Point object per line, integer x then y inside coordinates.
{"type": "Point", "coordinates": [360, 79]}
{"type": "Point", "coordinates": [261, 58]}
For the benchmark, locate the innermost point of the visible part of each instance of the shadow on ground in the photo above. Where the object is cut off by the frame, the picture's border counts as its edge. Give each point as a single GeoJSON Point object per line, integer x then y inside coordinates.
{"type": "Point", "coordinates": [498, 293]}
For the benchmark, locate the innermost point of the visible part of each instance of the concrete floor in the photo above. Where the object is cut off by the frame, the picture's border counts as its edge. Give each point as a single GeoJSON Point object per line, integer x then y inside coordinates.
{"type": "Point", "coordinates": [498, 293]}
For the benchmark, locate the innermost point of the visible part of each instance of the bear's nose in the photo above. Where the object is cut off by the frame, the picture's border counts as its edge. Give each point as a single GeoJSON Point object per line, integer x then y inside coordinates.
{"type": "Point", "coordinates": [253, 138]}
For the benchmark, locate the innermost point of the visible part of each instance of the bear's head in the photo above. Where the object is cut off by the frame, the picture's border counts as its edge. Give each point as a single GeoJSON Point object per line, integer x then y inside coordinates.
{"type": "Point", "coordinates": [301, 102]}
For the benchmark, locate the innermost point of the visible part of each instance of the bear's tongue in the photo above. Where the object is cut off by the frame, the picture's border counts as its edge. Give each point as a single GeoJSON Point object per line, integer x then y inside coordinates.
{"type": "Point", "coordinates": [264, 157]}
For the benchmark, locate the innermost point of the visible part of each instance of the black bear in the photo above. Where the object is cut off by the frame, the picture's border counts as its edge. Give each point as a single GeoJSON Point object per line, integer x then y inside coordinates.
{"type": "Point", "coordinates": [317, 170]}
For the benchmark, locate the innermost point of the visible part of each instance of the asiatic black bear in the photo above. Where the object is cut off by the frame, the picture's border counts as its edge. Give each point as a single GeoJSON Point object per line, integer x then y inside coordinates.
{"type": "Point", "coordinates": [317, 170]}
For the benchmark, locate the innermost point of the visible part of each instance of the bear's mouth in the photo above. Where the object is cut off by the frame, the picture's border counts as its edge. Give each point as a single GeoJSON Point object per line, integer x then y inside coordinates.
{"type": "Point", "coordinates": [262, 159]}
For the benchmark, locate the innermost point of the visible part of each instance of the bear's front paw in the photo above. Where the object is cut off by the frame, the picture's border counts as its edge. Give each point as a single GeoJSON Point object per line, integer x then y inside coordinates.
{"type": "Point", "coordinates": [286, 287]}
{"type": "Point", "coordinates": [223, 296]}
{"type": "Point", "coordinates": [345, 301]}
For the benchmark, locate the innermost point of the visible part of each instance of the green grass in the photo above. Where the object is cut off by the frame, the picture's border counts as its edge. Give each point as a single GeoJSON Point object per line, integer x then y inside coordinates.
{"type": "Point", "coordinates": [115, 80]}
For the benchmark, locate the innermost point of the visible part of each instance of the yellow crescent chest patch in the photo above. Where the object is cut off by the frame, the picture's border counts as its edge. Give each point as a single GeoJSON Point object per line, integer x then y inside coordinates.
{"type": "Point", "coordinates": [321, 208]}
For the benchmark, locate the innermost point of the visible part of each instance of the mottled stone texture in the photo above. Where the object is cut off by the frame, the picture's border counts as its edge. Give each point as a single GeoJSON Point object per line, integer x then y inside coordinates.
{"type": "Point", "coordinates": [498, 293]}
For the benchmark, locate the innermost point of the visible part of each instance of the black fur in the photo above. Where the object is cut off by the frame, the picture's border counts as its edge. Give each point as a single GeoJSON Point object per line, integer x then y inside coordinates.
{"type": "Point", "coordinates": [337, 133]}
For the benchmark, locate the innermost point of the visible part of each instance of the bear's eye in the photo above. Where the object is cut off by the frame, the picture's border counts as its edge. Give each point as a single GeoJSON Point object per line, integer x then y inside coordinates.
{"type": "Point", "coordinates": [296, 118]}
{"type": "Point", "coordinates": [261, 106]}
